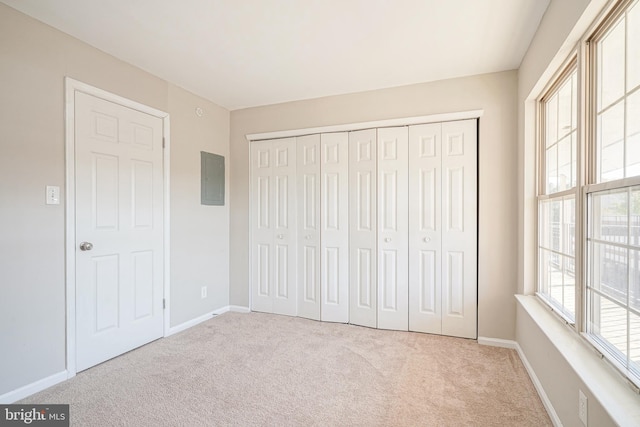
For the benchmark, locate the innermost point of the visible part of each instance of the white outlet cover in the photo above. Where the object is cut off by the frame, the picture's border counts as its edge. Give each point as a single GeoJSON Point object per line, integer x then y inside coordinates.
{"type": "Point", "coordinates": [52, 195]}
{"type": "Point", "coordinates": [582, 407]}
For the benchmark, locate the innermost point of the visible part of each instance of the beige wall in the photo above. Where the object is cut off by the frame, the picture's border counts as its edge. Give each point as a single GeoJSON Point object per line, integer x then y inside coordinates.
{"type": "Point", "coordinates": [495, 93]}
{"type": "Point", "coordinates": [199, 234]}
{"type": "Point", "coordinates": [558, 378]}
{"type": "Point", "coordinates": [34, 59]}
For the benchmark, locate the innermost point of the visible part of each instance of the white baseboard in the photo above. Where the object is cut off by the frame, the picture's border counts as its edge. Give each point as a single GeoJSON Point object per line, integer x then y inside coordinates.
{"type": "Point", "coordinates": [190, 323]}
{"type": "Point", "coordinates": [497, 342]}
{"type": "Point", "coordinates": [29, 389]}
{"type": "Point", "coordinates": [193, 322]}
{"type": "Point", "coordinates": [538, 385]}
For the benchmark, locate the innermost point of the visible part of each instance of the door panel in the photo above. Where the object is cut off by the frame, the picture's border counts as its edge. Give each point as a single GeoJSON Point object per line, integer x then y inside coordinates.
{"type": "Point", "coordinates": [363, 272]}
{"type": "Point", "coordinates": [335, 227]}
{"type": "Point", "coordinates": [285, 230]}
{"type": "Point", "coordinates": [308, 172]}
{"type": "Point", "coordinates": [393, 229]}
{"type": "Point", "coordinates": [459, 234]}
{"type": "Point", "coordinates": [425, 313]}
{"type": "Point", "coordinates": [119, 209]}
{"type": "Point", "coordinates": [262, 229]}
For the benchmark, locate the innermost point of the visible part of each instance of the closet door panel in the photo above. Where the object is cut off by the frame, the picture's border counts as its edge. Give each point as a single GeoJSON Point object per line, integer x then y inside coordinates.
{"type": "Point", "coordinates": [261, 227]}
{"type": "Point", "coordinates": [308, 191]}
{"type": "Point", "coordinates": [284, 227]}
{"type": "Point", "coordinates": [363, 228]}
{"type": "Point", "coordinates": [335, 227]}
{"type": "Point", "coordinates": [459, 228]}
{"type": "Point", "coordinates": [425, 314]}
{"type": "Point", "coordinates": [393, 286]}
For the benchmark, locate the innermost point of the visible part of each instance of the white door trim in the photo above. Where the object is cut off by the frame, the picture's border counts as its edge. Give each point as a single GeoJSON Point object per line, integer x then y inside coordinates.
{"type": "Point", "coordinates": [71, 87]}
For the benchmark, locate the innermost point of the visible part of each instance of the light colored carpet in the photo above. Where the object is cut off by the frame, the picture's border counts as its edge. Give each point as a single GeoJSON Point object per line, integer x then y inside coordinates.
{"type": "Point", "coordinates": [268, 370]}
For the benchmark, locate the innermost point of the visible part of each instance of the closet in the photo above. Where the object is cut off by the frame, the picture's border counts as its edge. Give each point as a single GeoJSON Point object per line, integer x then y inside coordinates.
{"type": "Point", "coordinates": [375, 227]}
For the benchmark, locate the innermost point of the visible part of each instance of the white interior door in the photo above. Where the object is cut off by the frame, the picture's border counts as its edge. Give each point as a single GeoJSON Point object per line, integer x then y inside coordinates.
{"type": "Point", "coordinates": [119, 226]}
{"type": "Point", "coordinates": [363, 228]}
{"type": "Point", "coordinates": [425, 298]}
{"type": "Point", "coordinates": [274, 226]}
{"type": "Point", "coordinates": [459, 228]}
{"type": "Point", "coordinates": [262, 227]}
{"type": "Point", "coordinates": [335, 227]}
{"type": "Point", "coordinates": [393, 229]}
{"type": "Point", "coordinates": [308, 171]}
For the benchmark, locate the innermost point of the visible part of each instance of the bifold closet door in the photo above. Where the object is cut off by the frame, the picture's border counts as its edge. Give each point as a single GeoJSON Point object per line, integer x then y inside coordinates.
{"type": "Point", "coordinates": [334, 235]}
{"type": "Point", "coordinates": [393, 229]}
{"type": "Point", "coordinates": [308, 171]}
{"type": "Point", "coordinates": [273, 226]}
{"type": "Point", "coordinates": [363, 228]}
{"type": "Point", "coordinates": [459, 228]}
{"type": "Point", "coordinates": [443, 228]}
{"type": "Point", "coordinates": [425, 234]}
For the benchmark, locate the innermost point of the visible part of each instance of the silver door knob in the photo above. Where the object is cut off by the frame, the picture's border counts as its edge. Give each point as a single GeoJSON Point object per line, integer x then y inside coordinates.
{"type": "Point", "coordinates": [280, 236]}
{"type": "Point", "coordinates": [427, 239]}
{"type": "Point", "coordinates": [387, 239]}
{"type": "Point", "coordinates": [308, 237]}
{"type": "Point", "coordinates": [86, 246]}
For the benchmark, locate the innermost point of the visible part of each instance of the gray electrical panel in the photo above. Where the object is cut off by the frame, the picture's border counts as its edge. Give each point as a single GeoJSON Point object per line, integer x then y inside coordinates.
{"type": "Point", "coordinates": [211, 179]}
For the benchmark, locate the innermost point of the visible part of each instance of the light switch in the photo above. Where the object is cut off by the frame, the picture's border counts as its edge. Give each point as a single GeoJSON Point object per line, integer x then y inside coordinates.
{"type": "Point", "coordinates": [53, 195]}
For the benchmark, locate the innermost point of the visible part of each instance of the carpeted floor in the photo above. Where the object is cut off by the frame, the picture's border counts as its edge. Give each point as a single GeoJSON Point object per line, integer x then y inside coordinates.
{"type": "Point", "coordinates": [268, 370]}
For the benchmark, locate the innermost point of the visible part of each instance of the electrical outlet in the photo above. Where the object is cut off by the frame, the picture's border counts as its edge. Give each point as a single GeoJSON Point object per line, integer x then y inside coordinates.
{"type": "Point", "coordinates": [203, 292]}
{"type": "Point", "coordinates": [582, 407]}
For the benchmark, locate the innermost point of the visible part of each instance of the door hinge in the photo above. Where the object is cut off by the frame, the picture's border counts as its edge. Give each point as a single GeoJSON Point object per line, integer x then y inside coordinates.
{"type": "Point", "coordinates": [164, 303]}
{"type": "Point", "coordinates": [163, 142]}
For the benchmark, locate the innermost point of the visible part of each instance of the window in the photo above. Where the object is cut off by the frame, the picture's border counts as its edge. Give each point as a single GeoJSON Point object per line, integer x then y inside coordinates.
{"type": "Point", "coordinates": [557, 201]}
{"type": "Point", "coordinates": [613, 202]}
{"type": "Point", "coordinates": [593, 273]}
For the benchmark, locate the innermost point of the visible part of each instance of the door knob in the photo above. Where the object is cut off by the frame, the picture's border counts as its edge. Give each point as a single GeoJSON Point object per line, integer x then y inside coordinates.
{"type": "Point", "coordinates": [427, 239]}
{"type": "Point", "coordinates": [387, 239]}
{"type": "Point", "coordinates": [86, 246]}
{"type": "Point", "coordinates": [280, 236]}
{"type": "Point", "coordinates": [308, 237]}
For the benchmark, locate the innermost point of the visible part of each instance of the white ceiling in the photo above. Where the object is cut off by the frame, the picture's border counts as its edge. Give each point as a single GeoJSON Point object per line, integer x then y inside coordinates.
{"type": "Point", "coordinates": [243, 53]}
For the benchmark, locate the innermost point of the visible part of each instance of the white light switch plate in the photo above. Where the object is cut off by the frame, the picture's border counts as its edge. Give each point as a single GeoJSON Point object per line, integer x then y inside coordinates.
{"type": "Point", "coordinates": [53, 195]}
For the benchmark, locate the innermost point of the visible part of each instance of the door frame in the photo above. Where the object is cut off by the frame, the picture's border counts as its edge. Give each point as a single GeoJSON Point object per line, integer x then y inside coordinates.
{"type": "Point", "coordinates": [71, 87]}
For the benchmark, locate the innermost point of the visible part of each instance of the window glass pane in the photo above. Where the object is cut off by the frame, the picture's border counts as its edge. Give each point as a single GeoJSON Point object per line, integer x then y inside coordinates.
{"type": "Point", "coordinates": [634, 204]}
{"type": "Point", "coordinates": [611, 143]}
{"type": "Point", "coordinates": [551, 121]}
{"type": "Point", "coordinates": [609, 216]}
{"type": "Point", "coordinates": [569, 226]}
{"type": "Point", "coordinates": [609, 321]}
{"type": "Point", "coordinates": [633, 47]}
{"type": "Point", "coordinates": [574, 157]}
{"type": "Point", "coordinates": [543, 271]}
{"type": "Point", "coordinates": [634, 341]}
{"type": "Point", "coordinates": [564, 109]}
{"type": "Point", "coordinates": [552, 169]}
{"type": "Point", "coordinates": [611, 54]}
{"type": "Point", "coordinates": [565, 164]}
{"type": "Point", "coordinates": [569, 284]}
{"type": "Point", "coordinates": [557, 254]}
{"type": "Point", "coordinates": [634, 280]}
{"type": "Point", "coordinates": [633, 134]}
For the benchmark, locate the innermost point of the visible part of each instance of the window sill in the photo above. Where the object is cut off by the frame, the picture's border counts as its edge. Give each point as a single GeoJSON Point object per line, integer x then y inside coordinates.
{"type": "Point", "coordinates": [612, 391]}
